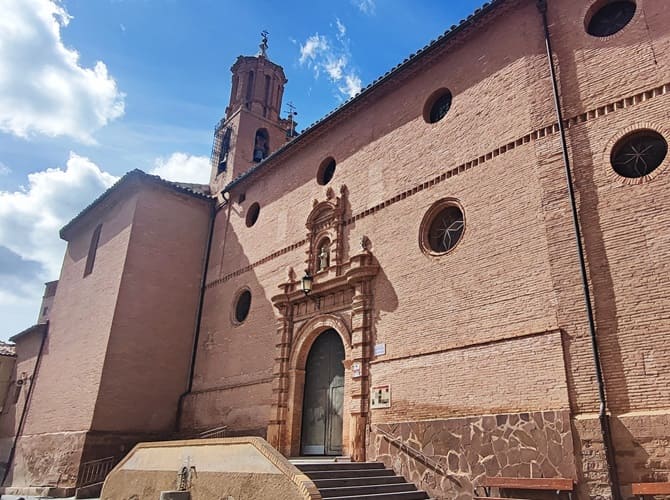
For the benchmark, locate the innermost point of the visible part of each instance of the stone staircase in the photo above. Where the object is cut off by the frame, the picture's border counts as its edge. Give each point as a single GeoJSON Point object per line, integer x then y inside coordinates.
{"type": "Point", "coordinates": [346, 480]}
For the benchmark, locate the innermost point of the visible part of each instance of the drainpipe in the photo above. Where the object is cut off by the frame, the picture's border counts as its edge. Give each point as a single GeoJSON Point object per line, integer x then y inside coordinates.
{"type": "Point", "coordinates": [602, 412]}
{"type": "Point", "coordinates": [24, 412]}
{"type": "Point", "coordinates": [198, 320]}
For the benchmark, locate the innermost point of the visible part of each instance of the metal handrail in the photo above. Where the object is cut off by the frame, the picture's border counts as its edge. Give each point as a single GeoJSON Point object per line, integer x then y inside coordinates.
{"type": "Point", "coordinates": [95, 471]}
{"type": "Point", "coordinates": [418, 455]}
{"type": "Point", "coordinates": [217, 432]}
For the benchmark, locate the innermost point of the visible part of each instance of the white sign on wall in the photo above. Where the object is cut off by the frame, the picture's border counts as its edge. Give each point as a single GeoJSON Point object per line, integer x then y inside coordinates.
{"type": "Point", "coordinates": [380, 349]}
{"type": "Point", "coordinates": [380, 397]}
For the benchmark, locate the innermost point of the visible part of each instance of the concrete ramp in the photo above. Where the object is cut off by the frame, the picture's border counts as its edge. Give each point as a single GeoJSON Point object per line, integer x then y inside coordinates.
{"type": "Point", "coordinates": [207, 469]}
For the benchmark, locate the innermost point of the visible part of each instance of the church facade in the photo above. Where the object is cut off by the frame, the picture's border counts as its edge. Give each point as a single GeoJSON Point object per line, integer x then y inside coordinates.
{"type": "Point", "coordinates": [462, 271]}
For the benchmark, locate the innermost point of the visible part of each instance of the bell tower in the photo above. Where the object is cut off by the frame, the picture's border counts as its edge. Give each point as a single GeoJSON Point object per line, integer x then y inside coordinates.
{"type": "Point", "coordinates": [251, 129]}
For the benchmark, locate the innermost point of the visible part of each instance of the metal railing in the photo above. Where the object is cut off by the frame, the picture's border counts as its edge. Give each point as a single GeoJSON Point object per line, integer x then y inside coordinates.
{"type": "Point", "coordinates": [95, 471]}
{"type": "Point", "coordinates": [217, 432]}
{"type": "Point", "coordinates": [416, 454]}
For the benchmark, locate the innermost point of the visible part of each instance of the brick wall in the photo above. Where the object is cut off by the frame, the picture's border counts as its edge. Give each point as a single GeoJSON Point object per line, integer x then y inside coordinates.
{"type": "Point", "coordinates": [27, 349]}
{"type": "Point", "coordinates": [502, 377]}
{"type": "Point", "coordinates": [65, 394]}
{"type": "Point", "coordinates": [146, 366]}
{"type": "Point", "coordinates": [515, 272]}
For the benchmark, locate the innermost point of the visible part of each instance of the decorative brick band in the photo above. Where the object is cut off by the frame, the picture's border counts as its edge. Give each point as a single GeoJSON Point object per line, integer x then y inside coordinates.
{"type": "Point", "coordinates": [231, 387]}
{"type": "Point", "coordinates": [549, 130]}
{"type": "Point", "coordinates": [541, 133]}
{"type": "Point", "coordinates": [466, 346]}
{"type": "Point", "coordinates": [245, 269]}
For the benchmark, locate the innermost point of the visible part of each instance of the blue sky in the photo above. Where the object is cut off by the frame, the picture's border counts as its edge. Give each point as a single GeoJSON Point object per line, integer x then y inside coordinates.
{"type": "Point", "coordinates": [90, 89]}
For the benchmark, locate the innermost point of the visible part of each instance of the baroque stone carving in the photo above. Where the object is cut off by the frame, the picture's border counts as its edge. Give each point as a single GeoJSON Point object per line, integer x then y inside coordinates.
{"type": "Point", "coordinates": [325, 226]}
{"type": "Point", "coordinates": [342, 288]}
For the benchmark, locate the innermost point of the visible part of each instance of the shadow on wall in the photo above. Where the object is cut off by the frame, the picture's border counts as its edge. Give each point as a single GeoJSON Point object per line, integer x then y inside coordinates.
{"type": "Point", "coordinates": [232, 387]}
{"type": "Point", "coordinates": [603, 242]}
{"type": "Point", "coordinates": [385, 300]}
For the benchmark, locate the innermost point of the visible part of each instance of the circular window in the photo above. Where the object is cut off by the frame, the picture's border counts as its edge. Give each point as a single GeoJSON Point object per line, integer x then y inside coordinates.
{"type": "Point", "coordinates": [437, 106]}
{"type": "Point", "coordinates": [610, 18]}
{"type": "Point", "coordinates": [252, 214]}
{"type": "Point", "coordinates": [242, 306]}
{"type": "Point", "coordinates": [326, 171]}
{"type": "Point", "coordinates": [639, 154]}
{"type": "Point", "coordinates": [442, 227]}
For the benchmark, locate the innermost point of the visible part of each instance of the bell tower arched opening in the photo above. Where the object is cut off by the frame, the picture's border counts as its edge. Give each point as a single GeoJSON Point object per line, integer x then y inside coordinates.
{"type": "Point", "coordinates": [261, 145]}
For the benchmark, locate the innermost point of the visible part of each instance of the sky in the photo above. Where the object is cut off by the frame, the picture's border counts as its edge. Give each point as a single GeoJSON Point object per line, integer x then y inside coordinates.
{"type": "Point", "coordinates": [90, 89]}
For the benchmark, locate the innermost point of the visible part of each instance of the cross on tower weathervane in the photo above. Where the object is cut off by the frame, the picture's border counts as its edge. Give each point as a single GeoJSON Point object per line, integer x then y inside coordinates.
{"type": "Point", "coordinates": [264, 43]}
{"type": "Point", "coordinates": [291, 113]}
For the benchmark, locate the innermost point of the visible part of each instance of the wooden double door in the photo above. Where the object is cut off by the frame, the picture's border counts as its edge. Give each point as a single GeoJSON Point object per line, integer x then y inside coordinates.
{"type": "Point", "coordinates": [324, 396]}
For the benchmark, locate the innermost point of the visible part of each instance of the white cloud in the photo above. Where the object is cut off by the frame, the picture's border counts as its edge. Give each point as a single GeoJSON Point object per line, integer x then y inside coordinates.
{"type": "Point", "coordinates": [180, 167]}
{"type": "Point", "coordinates": [31, 217]}
{"type": "Point", "coordinates": [320, 53]}
{"type": "Point", "coordinates": [4, 169]}
{"type": "Point", "coordinates": [43, 89]}
{"type": "Point", "coordinates": [313, 47]}
{"type": "Point", "coordinates": [341, 28]}
{"type": "Point", "coordinates": [351, 85]}
{"type": "Point", "coordinates": [335, 67]}
{"type": "Point", "coordinates": [365, 6]}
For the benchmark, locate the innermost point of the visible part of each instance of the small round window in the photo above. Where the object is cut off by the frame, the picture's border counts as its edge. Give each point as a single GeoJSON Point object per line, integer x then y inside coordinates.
{"type": "Point", "coordinates": [639, 154]}
{"type": "Point", "coordinates": [610, 17]}
{"type": "Point", "coordinates": [252, 214]}
{"type": "Point", "coordinates": [242, 306]}
{"type": "Point", "coordinates": [326, 171]}
{"type": "Point", "coordinates": [442, 227]}
{"type": "Point", "coordinates": [437, 106]}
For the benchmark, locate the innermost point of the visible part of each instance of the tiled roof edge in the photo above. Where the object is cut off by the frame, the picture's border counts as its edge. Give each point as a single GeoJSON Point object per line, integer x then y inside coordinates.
{"type": "Point", "coordinates": [434, 44]}
{"type": "Point", "coordinates": [30, 329]}
{"type": "Point", "coordinates": [135, 174]}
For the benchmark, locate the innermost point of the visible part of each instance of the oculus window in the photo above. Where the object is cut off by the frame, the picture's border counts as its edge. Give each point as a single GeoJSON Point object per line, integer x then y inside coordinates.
{"type": "Point", "coordinates": [242, 306]}
{"type": "Point", "coordinates": [252, 214]}
{"type": "Point", "coordinates": [437, 106]}
{"type": "Point", "coordinates": [326, 171]}
{"type": "Point", "coordinates": [442, 227]}
{"type": "Point", "coordinates": [610, 17]}
{"type": "Point", "coordinates": [638, 154]}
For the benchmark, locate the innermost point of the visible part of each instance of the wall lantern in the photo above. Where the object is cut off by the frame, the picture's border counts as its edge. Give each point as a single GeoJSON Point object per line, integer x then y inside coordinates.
{"type": "Point", "coordinates": [306, 283]}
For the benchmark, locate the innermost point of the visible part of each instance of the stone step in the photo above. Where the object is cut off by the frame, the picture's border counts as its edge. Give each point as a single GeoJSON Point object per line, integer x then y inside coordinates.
{"type": "Point", "coordinates": [327, 466]}
{"type": "Point", "coordinates": [357, 481]}
{"type": "Point", "coordinates": [341, 474]}
{"type": "Point", "coordinates": [349, 491]}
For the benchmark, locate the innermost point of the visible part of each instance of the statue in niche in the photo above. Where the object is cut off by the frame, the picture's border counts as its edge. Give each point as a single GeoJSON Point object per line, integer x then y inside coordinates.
{"type": "Point", "coordinates": [323, 258]}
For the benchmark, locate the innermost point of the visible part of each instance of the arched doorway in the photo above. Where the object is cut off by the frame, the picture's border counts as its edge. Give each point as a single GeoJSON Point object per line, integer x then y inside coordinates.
{"type": "Point", "coordinates": [323, 397]}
